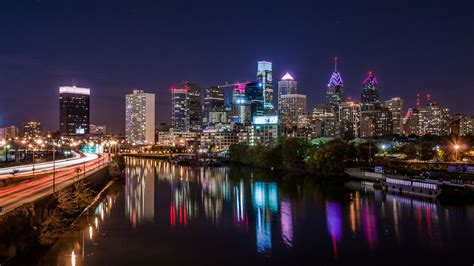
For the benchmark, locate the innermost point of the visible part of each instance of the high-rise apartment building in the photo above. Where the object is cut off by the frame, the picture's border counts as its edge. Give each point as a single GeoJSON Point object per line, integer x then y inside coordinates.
{"type": "Point", "coordinates": [349, 119]}
{"type": "Point", "coordinates": [292, 105]}
{"type": "Point", "coordinates": [74, 110]}
{"type": "Point", "coordinates": [140, 118]}
{"type": "Point", "coordinates": [395, 106]}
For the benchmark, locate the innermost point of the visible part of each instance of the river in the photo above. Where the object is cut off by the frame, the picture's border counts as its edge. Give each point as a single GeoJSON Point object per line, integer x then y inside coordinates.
{"type": "Point", "coordinates": [173, 215]}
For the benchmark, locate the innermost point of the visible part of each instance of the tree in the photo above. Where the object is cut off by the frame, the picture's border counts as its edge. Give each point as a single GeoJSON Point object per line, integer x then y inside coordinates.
{"type": "Point", "coordinates": [329, 159]}
{"type": "Point", "coordinates": [293, 152]}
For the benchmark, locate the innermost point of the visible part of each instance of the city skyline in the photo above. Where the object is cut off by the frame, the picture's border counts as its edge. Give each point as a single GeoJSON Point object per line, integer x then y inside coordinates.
{"type": "Point", "coordinates": [213, 57]}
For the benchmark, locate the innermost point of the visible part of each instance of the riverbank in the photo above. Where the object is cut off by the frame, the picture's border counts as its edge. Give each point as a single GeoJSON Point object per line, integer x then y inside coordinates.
{"type": "Point", "coordinates": [34, 227]}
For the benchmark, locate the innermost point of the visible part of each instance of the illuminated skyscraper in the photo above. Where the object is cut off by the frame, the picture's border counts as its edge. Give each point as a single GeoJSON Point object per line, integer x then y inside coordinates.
{"type": "Point", "coordinates": [370, 94]}
{"type": "Point", "coordinates": [264, 75]}
{"type": "Point", "coordinates": [335, 91]}
{"type": "Point", "coordinates": [292, 106]}
{"type": "Point", "coordinates": [214, 108]}
{"type": "Point", "coordinates": [349, 119]}
{"type": "Point", "coordinates": [255, 99]}
{"type": "Point", "coordinates": [395, 106]}
{"type": "Point", "coordinates": [180, 110]}
{"type": "Point", "coordinates": [187, 108]}
{"type": "Point", "coordinates": [74, 110]}
{"type": "Point", "coordinates": [140, 118]}
{"type": "Point", "coordinates": [287, 85]}
{"type": "Point", "coordinates": [239, 110]}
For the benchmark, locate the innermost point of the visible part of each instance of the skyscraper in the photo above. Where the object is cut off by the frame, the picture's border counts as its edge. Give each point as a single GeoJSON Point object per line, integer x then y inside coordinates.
{"type": "Point", "coordinates": [434, 119]}
{"type": "Point", "coordinates": [140, 118]}
{"type": "Point", "coordinates": [239, 110]}
{"type": "Point", "coordinates": [180, 110]}
{"type": "Point", "coordinates": [264, 75]}
{"type": "Point", "coordinates": [195, 106]}
{"type": "Point", "coordinates": [395, 106]}
{"type": "Point", "coordinates": [214, 106]}
{"type": "Point", "coordinates": [349, 119]}
{"type": "Point", "coordinates": [255, 99]}
{"type": "Point", "coordinates": [74, 110]}
{"type": "Point", "coordinates": [370, 94]}
{"type": "Point", "coordinates": [287, 85]}
{"type": "Point", "coordinates": [335, 90]}
{"type": "Point", "coordinates": [292, 106]}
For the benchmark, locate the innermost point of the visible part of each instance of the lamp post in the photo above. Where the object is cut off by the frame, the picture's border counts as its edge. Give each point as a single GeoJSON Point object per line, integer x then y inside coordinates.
{"type": "Point", "coordinates": [54, 166]}
{"type": "Point", "coordinates": [456, 149]}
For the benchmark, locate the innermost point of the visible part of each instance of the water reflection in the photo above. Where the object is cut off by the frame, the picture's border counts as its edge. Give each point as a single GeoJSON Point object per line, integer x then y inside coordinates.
{"type": "Point", "coordinates": [245, 209]}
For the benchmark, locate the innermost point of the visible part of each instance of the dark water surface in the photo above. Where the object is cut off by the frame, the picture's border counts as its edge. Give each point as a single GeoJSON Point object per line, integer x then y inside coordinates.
{"type": "Point", "coordinates": [173, 215]}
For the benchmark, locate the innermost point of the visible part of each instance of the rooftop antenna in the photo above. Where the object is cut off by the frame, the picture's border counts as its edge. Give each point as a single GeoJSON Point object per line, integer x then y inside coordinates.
{"type": "Point", "coordinates": [417, 100]}
{"type": "Point", "coordinates": [335, 64]}
{"type": "Point", "coordinates": [74, 82]}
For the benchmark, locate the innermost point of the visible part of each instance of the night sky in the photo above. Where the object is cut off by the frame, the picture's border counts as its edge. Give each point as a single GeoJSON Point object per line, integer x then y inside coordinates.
{"type": "Point", "coordinates": [115, 46]}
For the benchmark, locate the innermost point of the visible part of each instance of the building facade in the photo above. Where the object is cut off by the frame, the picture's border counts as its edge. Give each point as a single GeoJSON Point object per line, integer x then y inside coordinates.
{"type": "Point", "coordinates": [335, 89]}
{"type": "Point", "coordinates": [287, 85]}
{"type": "Point", "coordinates": [31, 129]}
{"type": "Point", "coordinates": [395, 106]}
{"type": "Point", "coordinates": [74, 110]}
{"type": "Point", "coordinates": [264, 76]}
{"type": "Point", "coordinates": [140, 118]}
{"type": "Point", "coordinates": [214, 106]}
{"type": "Point", "coordinates": [292, 105]}
{"type": "Point", "coordinates": [349, 120]}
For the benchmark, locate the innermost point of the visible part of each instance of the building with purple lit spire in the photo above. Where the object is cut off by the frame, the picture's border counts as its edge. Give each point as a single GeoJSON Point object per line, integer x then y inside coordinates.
{"type": "Point", "coordinates": [335, 90]}
{"type": "Point", "coordinates": [370, 95]}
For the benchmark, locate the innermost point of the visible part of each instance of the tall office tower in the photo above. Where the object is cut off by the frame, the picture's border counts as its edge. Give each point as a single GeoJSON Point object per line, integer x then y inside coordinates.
{"type": "Point", "coordinates": [239, 112]}
{"type": "Point", "coordinates": [292, 106]}
{"type": "Point", "coordinates": [434, 119]}
{"type": "Point", "coordinates": [32, 129]}
{"type": "Point", "coordinates": [194, 105]}
{"type": "Point", "coordinates": [335, 91]}
{"type": "Point", "coordinates": [140, 118]}
{"type": "Point", "coordinates": [370, 94]}
{"type": "Point", "coordinates": [264, 75]}
{"type": "Point", "coordinates": [287, 85]}
{"type": "Point", "coordinates": [180, 110]}
{"type": "Point", "coordinates": [255, 99]}
{"type": "Point", "coordinates": [375, 121]}
{"type": "Point", "coordinates": [74, 110]}
{"type": "Point", "coordinates": [395, 106]}
{"type": "Point", "coordinates": [214, 106]}
{"type": "Point", "coordinates": [349, 119]}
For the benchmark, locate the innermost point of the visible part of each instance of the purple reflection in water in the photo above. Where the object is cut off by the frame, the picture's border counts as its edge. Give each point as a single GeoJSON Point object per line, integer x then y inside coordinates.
{"type": "Point", "coordinates": [334, 222]}
{"type": "Point", "coordinates": [286, 219]}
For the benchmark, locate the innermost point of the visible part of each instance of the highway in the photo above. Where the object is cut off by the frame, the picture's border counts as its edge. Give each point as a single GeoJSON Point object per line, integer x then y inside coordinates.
{"type": "Point", "coordinates": [47, 166]}
{"type": "Point", "coordinates": [16, 195]}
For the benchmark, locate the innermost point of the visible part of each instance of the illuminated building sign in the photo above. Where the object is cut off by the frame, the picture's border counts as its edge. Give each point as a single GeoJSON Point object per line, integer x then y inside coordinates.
{"type": "Point", "coordinates": [265, 120]}
{"type": "Point", "coordinates": [74, 90]}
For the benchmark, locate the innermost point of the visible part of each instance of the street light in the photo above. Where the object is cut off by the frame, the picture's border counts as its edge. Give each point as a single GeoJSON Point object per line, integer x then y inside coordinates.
{"type": "Point", "coordinates": [456, 149]}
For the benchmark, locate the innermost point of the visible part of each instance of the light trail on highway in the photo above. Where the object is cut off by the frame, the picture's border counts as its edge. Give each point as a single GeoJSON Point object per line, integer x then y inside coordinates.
{"type": "Point", "coordinates": [28, 191]}
{"type": "Point", "coordinates": [47, 166]}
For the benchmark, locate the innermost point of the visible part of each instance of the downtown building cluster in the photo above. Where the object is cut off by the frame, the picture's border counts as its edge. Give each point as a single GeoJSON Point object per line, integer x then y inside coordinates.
{"type": "Point", "coordinates": [222, 115]}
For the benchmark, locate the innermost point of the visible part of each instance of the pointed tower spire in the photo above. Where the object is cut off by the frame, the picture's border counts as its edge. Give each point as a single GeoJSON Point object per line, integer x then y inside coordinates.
{"type": "Point", "coordinates": [335, 64]}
